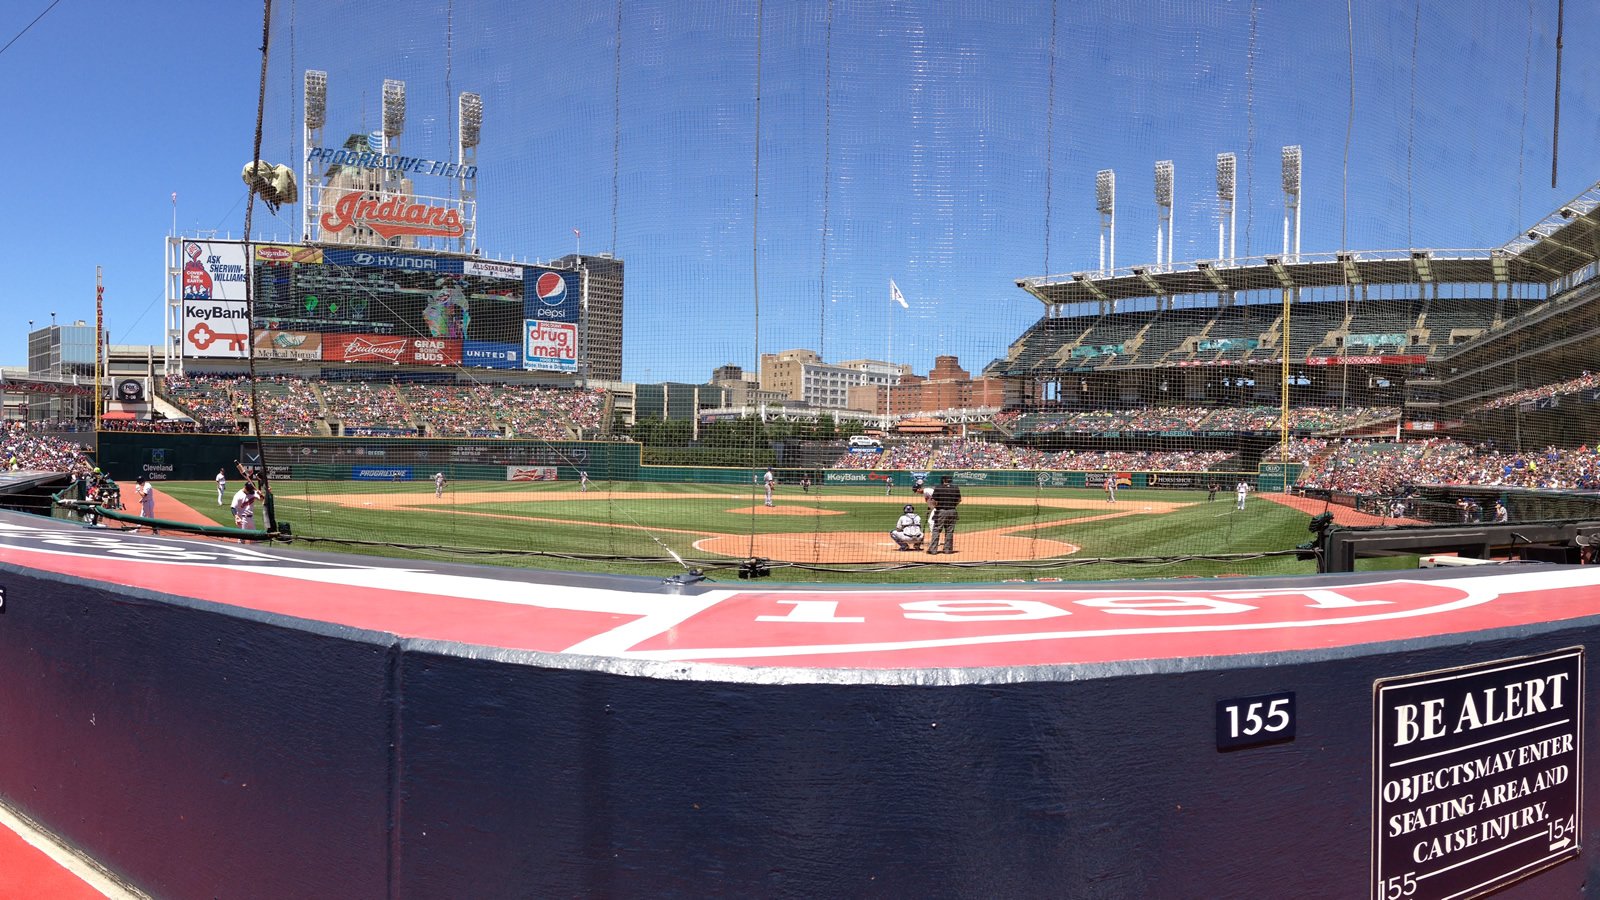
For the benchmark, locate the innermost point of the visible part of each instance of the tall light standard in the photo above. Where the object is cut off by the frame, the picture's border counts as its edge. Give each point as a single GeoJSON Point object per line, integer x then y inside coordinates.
{"type": "Point", "coordinates": [1291, 198]}
{"type": "Point", "coordinates": [1105, 200]}
{"type": "Point", "coordinates": [470, 118]}
{"type": "Point", "coordinates": [1227, 215]}
{"type": "Point", "coordinates": [1164, 210]}
{"type": "Point", "coordinates": [316, 116]}
{"type": "Point", "coordinates": [394, 124]}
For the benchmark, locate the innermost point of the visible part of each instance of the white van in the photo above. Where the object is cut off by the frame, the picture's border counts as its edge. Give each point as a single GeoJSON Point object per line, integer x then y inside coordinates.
{"type": "Point", "coordinates": [862, 440]}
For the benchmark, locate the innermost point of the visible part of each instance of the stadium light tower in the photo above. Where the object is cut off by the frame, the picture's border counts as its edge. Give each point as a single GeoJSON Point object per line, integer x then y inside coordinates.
{"type": "Point", "coordinates": [469, 121]}
{"type": "Point", "coordinates": [316, 116]}
{"type": "Point", "coordinates": [1227, 178]}
{"type": "Point", "coordinates": [1291, 198]}
{"type": "Point", "coordinates": [1164, 209]}
{"type": "Point", "coordinates": [1105, 200]}
{"type": "Point", "coordinates": [394, 123]}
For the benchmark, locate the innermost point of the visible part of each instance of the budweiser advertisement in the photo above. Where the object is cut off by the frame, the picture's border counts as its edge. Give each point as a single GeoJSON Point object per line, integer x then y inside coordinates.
{"type": "Point", "coordinates": [530, 473]}
{"type": "Point", "coordinates": [381, 348]}
{"type": "Point", "coordinates": [550, 346]}
{"type": "Point", "coordinates": [288, 345]}
{"type": "Point", "coordinates": [391, 217]}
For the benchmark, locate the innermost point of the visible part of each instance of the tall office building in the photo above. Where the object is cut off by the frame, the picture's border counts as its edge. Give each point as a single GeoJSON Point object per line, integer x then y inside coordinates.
{"type": "Point", "coordinates": [604, 330]}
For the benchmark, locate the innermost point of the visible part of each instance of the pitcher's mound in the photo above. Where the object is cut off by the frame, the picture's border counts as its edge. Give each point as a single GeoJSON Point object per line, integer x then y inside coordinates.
{"type": "Point", "coordinates": [785, 511]}
{"type": "Point", "coordinates": [875, 546]}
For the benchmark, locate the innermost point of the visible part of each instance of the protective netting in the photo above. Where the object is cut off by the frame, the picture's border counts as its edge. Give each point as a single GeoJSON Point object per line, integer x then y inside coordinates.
{"type": "Point", "coordinates": [561, 284]}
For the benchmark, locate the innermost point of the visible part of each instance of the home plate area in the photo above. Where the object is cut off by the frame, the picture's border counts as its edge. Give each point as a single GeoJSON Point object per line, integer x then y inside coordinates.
{"type": "Point", "coordinates": [877, 546]}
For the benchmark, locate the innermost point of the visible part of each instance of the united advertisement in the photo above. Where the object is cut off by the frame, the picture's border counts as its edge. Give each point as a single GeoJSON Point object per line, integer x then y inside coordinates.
{"type": "Point", "coordinates": [550, 346]}
{"type": "Point", "coordinates": [215, 315]}
{"type": "Point", "coordinates": [491, 355]}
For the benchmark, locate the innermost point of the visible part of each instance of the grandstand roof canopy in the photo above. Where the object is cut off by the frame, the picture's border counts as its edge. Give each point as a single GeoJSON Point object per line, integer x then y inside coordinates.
{"type": "Point", "coordinates": [1562, 242]}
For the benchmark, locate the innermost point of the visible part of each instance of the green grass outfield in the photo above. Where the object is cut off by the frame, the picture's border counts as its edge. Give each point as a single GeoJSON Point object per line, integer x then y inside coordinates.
{"type": "Point", "coordinates": [534, 524]}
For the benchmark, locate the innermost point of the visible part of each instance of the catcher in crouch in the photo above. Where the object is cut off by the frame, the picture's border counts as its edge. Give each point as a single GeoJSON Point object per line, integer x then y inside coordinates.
{"type": "Point", "coordinates": [908, 529]}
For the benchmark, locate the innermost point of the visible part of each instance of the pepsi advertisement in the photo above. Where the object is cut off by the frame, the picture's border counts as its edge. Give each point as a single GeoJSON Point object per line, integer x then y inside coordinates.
{"type": "Point", "coordinates": [551, 295]}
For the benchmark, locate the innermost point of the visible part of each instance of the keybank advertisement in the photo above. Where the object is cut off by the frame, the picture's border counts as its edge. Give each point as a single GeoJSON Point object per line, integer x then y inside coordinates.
{"type": "Point", "coordinates": [550, 346]}
{"type": "Point", "coordinates": [215, 317]}
{"type": "Point", "coordinates": [550, 296]}
{"type": "Point", "coordinates": [491, 355]}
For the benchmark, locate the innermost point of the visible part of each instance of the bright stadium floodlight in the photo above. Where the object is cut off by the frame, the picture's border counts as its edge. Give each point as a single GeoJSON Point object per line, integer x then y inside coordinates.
{"type": "Point", "coordinates": [1291, 196]}
{"type": "Point", "coordinates": [394, 107]}
{"type": "Point", "coordinates": [316, 98]}
{"type": "Point", "coordinates": [1227, 171]}
{"type": "Point", "coordinates": [1164, 183]}
{"type": "Point", "coordinates": [1164, 210]}
{"type": "Point", "coordinates": [471, 114]}
{"type": "Point", "coordinates": [1105, 201]}
{"type": "Point", "coordinates": [1105, 191]}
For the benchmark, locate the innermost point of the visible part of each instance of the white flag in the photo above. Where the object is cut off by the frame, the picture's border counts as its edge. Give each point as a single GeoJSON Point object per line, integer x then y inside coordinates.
{"type": "Point", "coordinates": [894, 293]}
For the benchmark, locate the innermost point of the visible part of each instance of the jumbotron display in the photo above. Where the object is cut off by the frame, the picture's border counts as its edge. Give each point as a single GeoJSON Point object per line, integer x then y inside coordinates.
{"type": "Point", "coordinates": [373, 306]}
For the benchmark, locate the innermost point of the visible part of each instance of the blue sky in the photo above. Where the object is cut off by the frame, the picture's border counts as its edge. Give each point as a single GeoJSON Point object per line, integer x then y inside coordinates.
{"type": "Point", "coordinates": [931, 167]}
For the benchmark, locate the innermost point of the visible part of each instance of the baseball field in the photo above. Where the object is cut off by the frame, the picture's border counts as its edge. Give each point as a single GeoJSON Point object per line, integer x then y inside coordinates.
{"type": "Point", "coordinates": [829, 533]}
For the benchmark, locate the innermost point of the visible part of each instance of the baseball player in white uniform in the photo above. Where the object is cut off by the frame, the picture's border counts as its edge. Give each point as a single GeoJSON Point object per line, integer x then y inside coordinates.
{"type": "Point", "coordinates": [767, 480]}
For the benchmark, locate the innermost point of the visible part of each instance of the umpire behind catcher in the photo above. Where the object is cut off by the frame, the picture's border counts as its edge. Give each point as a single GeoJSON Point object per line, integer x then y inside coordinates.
{"type": "Point", "coordinates": [946, 497]}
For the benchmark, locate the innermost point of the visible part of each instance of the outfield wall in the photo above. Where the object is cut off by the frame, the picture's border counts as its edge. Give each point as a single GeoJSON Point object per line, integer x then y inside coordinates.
{"type": "Point", "coordinates": [197, 457]}
{"type": "Point", "coordinates": [203, 749]}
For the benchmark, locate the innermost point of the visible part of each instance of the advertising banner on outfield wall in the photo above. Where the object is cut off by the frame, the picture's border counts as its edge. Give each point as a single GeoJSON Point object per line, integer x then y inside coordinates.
{"type": "Point", "coordinates": [550, 346]}
{"type": "Point", "coordinates": [380, 348]}
{"type": "Point", "coordinates": [377, 473]}
{"type": "Point", "coordinates": [550, 295]}
{"type": "Point", "coordinates": [530, 473]}
{"type": "Point", "coordinates": [288, 345]}
{"type": "Point", "coordinates": [215, 317]}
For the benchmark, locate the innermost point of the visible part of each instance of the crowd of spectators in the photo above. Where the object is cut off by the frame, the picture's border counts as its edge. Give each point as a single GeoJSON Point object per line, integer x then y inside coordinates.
{"type": "Point", "coordinates": [1384, 467]}
{"type": "Point", "coordinates": [1585, 382]}
{"type": "Point", "coordinates": [29, 445]}
{"type": "Point", "coordinates": [1204, 418]}
{"type": "Point", "coordinates": [927, 454]}
{"type": "Point", "coordinates": [551, 413]}
{"type": "Point", "coordinates": [218, 403]}
{"type": "Point", "coordinates": [362, 405]}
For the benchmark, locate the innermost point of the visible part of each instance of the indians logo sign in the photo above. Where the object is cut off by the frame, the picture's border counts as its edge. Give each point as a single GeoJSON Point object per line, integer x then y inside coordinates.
{"type": "Point", "coordinates": [392, 217]}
